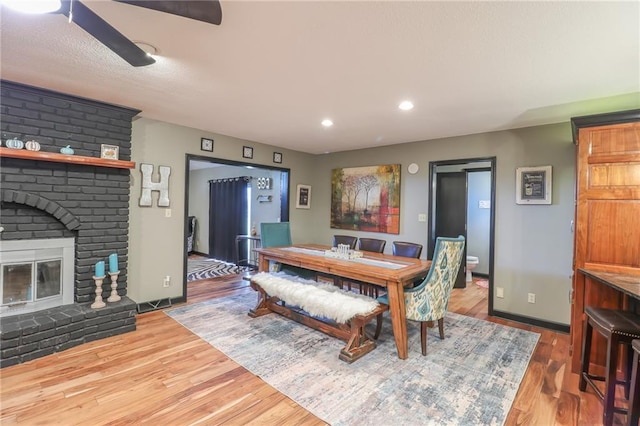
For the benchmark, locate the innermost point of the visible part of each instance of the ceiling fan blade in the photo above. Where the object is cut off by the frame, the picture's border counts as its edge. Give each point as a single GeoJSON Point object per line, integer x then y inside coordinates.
{"type": "Point", "coordinates": [86, 19]}
{"type": "Point", "coordinates": [201, 10]}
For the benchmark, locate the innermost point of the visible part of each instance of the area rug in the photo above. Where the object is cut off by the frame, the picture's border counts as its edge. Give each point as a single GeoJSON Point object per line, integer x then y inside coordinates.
{"type": "Point", "coordinates": [482, 283]}
{"type": "Point", "coordinates": [203, 268]}
{"type": "Point", "coordinates": [469, 378]}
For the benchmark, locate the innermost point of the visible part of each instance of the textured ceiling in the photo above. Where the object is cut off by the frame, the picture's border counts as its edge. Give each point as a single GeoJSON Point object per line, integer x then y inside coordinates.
{"type": "Point", "coordinates": [273, 70]}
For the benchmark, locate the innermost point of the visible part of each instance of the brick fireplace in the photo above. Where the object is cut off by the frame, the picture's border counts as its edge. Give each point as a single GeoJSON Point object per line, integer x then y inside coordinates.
{"type": "Point", "coordinates": [87, 202]}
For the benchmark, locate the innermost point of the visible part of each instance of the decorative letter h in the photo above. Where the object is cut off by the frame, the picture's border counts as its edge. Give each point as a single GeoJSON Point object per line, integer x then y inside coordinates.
{"type": "Point", "coordinates": [148, 185]}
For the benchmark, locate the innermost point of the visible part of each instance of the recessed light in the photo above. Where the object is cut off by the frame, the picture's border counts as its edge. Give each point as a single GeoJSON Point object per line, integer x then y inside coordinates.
{"type": "Point", "coordinates": [406, 105]}
{"type": "Point", "coordinates": [149, 49]}
{"type": "Point", "coordinates": [327, 123]}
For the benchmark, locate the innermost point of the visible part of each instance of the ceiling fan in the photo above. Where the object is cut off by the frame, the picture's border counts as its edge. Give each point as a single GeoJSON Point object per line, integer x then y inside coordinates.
{"type": "Point", "coordinates": [202, 10]}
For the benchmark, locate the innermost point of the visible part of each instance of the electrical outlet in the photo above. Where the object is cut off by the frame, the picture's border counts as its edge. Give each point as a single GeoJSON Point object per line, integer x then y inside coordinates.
{"type": "Point", "coordinates": [531, 298]}
{"type": "Point", "coordinates": [500, 292]}
{"type": "Point", "coordinates": [167, 281]}
{"type": "Point", "coordinates": [422, 217]}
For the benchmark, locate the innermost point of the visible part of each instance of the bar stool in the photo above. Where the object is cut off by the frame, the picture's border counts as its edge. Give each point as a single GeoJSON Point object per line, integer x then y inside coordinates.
{"type": "Point", "coordinates": [619, 328]}
{"type": "Point", "coordinates": [634, 397]}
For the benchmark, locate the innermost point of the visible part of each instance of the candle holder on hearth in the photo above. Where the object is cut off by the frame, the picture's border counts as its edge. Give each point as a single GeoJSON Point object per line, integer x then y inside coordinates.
{"type": "Point", "coordinates": [114, 297]}
{"type": "Point", "coordinates": [98, 302]}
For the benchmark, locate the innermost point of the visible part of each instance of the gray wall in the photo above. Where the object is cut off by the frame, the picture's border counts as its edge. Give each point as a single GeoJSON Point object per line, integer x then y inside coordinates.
{"type": "Point", "coordinates": [533, 246]}
{"type": "Point", "coordinates": [156, 248]}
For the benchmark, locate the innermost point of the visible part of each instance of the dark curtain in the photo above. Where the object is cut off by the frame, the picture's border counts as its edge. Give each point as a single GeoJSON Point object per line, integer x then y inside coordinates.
{"type": "Point", "coordinates": [227, 216]}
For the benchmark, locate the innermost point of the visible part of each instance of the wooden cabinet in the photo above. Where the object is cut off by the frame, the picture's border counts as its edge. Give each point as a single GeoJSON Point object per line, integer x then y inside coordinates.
{"type": "Point", "coordinates": [607, 227]}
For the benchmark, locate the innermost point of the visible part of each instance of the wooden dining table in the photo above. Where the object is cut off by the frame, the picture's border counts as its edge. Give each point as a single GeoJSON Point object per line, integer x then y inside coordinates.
{"type": "Point", "coordinates": [390, 272]}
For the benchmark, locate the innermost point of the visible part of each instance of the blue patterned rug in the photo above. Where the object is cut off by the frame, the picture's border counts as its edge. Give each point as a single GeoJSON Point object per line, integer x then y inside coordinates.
{"type": "Point", "coordinates": [203, 268]}
{"type": "Point", "coordinates": [469, 378]}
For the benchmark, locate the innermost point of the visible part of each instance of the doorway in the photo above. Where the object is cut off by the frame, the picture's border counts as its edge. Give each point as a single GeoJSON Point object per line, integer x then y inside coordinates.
{"type": "Point", "coordinates": [451, 212]}
{"type": "Point", "coordinates": [267, 200]}
{"type": "Point", "coordinates": [455, 209]}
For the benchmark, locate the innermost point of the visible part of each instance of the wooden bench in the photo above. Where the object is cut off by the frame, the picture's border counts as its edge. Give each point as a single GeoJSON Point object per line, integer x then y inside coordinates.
{"type": "Point", "coordinates": [330, 310]}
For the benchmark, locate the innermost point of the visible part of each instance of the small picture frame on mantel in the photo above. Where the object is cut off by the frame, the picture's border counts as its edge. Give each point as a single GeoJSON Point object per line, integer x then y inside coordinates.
{"type": "Point", "coordinates": [109, 152]}
{"type": "Point", "coordinates": [533, 185]}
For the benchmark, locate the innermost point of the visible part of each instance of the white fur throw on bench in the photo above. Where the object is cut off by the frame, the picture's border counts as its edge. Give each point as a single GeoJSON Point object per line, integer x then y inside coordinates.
{"type": "Point", "coordinates": [317, 299]}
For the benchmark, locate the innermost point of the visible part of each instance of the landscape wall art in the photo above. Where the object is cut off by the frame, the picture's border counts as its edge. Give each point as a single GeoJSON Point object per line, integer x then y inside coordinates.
{"type": "Point", "coordinates": [366, 198]}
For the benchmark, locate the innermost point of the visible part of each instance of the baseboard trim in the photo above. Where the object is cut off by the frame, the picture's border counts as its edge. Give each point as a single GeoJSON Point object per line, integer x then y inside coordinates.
{"type": "Point", "coordinates": [533, 321]}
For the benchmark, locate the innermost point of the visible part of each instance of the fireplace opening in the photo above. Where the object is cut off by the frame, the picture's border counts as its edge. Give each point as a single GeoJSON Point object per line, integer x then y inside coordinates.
{"type": "Point", "coordinates": [36, 274]}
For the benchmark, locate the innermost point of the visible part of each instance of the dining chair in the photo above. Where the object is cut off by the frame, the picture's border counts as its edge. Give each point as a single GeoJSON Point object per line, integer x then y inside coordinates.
{"type": "Point", "coordinates": [278, 234]}
{"type": "Point", "coordinates": [428, 301]}
{"type": "Point", "coordinates": [275, 234]}
{"type": "Point", "coordinates": [406, 249]}
{"type": "Point", "coordinates": [345, 239]}
{"type": "Point", "coordinates": [371, 244]}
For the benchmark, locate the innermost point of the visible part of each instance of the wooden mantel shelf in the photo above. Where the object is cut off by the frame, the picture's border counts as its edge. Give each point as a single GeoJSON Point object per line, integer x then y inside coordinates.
{"type": "Point", "coordinates": [63, 158]}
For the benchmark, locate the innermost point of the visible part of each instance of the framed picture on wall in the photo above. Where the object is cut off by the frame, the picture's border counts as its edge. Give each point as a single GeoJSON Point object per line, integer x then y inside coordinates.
{"type": "Point", "coordinates": [303, 197]}
{"type": "Point", "coordinates": [533, 185]}
{"type": "Point", "coordinates": [206, 144]}
{"type": "Point", "coordinates": [247, 152]}
{"type": "Point", "coordinates": [376, 208]}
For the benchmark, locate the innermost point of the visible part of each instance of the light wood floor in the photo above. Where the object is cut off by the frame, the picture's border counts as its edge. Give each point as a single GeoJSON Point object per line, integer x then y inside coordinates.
{"type": "Point", "coordinates": [162, 373]}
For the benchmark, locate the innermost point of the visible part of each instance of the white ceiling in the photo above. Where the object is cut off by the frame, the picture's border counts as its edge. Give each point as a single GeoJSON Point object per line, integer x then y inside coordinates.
{"type": "Point", "coordinates": [273, 70]}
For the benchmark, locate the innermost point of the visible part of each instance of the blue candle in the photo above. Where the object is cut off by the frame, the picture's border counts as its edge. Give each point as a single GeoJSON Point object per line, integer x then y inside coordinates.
{"type": "Point", "coordinates": [113, 263]}
{"type": "Point", "coordinates": [100, 269]}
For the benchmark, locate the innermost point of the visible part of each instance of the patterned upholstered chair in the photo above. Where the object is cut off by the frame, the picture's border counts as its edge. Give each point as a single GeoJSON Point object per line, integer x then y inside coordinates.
{"type": "Point", "coordinates": [428, 301]}
{"type": "Point", "coordinates": [345, 239]}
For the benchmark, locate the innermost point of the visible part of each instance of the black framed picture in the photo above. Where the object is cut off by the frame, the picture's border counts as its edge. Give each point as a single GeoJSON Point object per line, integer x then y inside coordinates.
{"type": "Point", "coordinates": [533, 185]}
{"type": "Point", "coordinates": [277, 157]}
{"type": "Point", "coordinates": [247, 152]}
{"type": "Point", "coordinates": [206, 144]}
{"type": "Point", "coordinates": [303, 197]}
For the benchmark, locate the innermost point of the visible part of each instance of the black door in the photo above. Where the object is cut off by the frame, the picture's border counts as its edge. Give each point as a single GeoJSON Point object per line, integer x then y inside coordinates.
{"type": "Point", "coordinates": [451, 212]}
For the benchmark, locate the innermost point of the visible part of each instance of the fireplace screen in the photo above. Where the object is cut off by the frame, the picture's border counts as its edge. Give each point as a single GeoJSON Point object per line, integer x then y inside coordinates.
{"type": "Point", "coordinates": [18, 281]}
{"type": "Point", "coordinates": [35, 274]}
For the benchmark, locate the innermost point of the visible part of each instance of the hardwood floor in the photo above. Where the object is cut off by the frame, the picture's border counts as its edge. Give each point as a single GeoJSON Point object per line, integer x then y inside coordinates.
{"type": "Point", "coordinates": [162, 373]}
